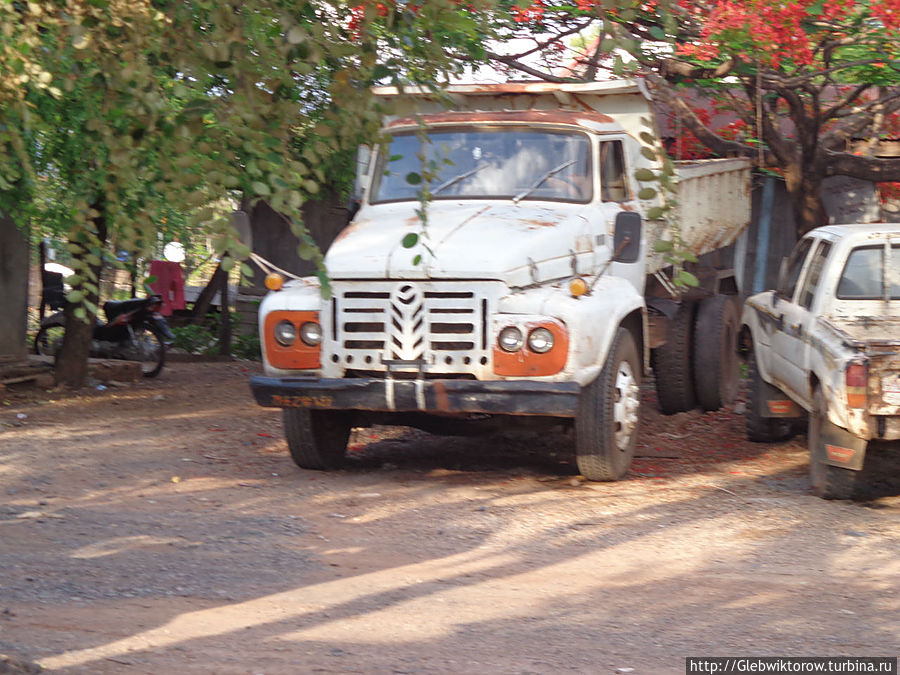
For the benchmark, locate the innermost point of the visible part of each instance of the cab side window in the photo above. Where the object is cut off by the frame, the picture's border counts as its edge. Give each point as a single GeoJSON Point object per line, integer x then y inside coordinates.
{"type": "Point", "coordinates": [814, 275]}
{"type": "Point", "coordinates": [613, 184]}
{"type": "Point", "coordinates": [787, 282]}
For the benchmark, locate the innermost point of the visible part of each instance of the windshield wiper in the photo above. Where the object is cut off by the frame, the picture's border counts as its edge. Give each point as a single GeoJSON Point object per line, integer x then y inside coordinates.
{"type": "Point", "coordinates": [457, 178]}
{"type": "Point", "coordinates": [541, 180]}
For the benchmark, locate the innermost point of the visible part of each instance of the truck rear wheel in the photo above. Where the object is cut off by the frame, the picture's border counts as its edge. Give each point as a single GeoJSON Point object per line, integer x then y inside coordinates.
{"type": "Point", "coordinates": [761, 429]}
{"type": "Point", "coordinates": [317, 439]}
{"type": "Point", "coordinates": [828, 482]}
{"type": "Point", "coordinates": [671, 364]}
{"type": "Point", "coordinates": [607, 419]}
{"type": "Point", "coordinates": [716, 367]}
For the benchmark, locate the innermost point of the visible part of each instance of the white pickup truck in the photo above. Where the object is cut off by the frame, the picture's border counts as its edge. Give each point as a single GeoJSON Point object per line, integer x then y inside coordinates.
{"type": "Point", "coordinates": [826, 343]}
{"type": "Point", "coordinates": [531, 292]}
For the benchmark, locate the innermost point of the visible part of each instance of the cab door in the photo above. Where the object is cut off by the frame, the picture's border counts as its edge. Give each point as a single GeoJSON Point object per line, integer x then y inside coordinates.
{"type": "Point", "coordinates": [792, 341]}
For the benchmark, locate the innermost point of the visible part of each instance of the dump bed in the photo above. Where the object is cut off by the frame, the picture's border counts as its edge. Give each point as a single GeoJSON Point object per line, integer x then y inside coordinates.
{"type": "Point", "coordinates": [713, 197]}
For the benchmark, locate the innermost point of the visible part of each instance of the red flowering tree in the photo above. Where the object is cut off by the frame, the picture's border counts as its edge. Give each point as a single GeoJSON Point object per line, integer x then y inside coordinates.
{"type": "Point", "coordinates": [811, 86]}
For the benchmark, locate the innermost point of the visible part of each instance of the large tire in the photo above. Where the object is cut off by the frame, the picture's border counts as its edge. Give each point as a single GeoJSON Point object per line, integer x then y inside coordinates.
{"type": "Point", "coordinates": [828, 482]}
{"type": "Point", "coordinates": [152, 349]}
{"type": "Point", "coordinates": [761, 429]}
{"type": "Point", "coordinates": [671, 364]}
{"type": "Point", "coordinates": [317, 439]}
{"type": "Point", "coordinates": [607, 418]}
{"type": "Point", "coordinates": [715, 354]}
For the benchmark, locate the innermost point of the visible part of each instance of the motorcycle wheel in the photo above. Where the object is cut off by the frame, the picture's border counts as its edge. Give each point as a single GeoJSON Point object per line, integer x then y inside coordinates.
{"type": "Point", "coordinates": [152, 348]}
{"type": "Point", "coordinates": [48, 340]}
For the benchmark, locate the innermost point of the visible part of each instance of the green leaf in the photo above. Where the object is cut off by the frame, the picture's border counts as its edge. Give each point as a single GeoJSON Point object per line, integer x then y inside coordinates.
{"type": "Point", "coordinates": [647, 193]}
{"type": "Point", "coordinates": [417, 259]}
{"type": "Point", "coordinates": [662, 246]}
{"type": "Point", "coordinates": [410, 240]}
{"type": "Point", "coordinates": [649, 153]}
{"type": "Point", "coordinates": [227, 264]}
{"type": "Point", "coordinates": [75, 296]}
{"type": "Point", "coordinates": [658, 33]}
{"type": "Point", "coordinates": [80, 313]}
{"type": "Point", "coordinates": [644, 175]}
{"type": "Point", "coordinates": [306, 251]}
{"type": "Point", "coordinates": [647, 138]}
{"type": "Point", "coordinates": [687, 278]}
{"type": "Point", "coordinates": [413, 178]}
{"type": "Point", "coordinates": [260, 188]}
{"type": "Point", "coordinates": [655, 213]}
{"type": "Point", "coordinates": [296, 35]}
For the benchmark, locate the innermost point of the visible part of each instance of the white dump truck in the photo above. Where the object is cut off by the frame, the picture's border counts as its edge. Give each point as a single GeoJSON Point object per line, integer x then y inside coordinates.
{"type": "Point", "coordinates": [826, 344]}
{"type": "Point", "coordinates": [530, 292]}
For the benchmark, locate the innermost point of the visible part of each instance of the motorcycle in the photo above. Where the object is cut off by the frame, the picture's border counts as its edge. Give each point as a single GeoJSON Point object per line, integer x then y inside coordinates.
{"type": "Point", "coordinates": [134, 331]}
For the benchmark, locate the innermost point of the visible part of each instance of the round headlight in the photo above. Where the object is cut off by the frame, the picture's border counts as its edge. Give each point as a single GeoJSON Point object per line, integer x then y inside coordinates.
{"type": "Point", "coordinates": [285, 333]}
{"type": "Point", "coordinates": [510, 339]}
{"type": "Point", "coordinates": [311, 333]}
{"type": "Point", "coordinates": [540, 340]}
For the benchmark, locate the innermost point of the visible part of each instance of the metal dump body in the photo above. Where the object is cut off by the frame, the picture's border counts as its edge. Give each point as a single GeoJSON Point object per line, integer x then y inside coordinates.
{"type": "Point", "coordinates": [713, 206]}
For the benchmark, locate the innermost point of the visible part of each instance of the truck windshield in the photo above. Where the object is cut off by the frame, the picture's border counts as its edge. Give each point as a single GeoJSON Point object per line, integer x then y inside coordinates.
{"type": "Point", "coordinates": [867, 272]}
{"type": "Point", "coordinates": [486, 163]}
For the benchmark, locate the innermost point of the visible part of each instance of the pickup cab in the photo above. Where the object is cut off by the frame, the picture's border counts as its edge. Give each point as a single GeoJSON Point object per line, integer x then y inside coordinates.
{"type": "Point", "coordinates": [826, 344]}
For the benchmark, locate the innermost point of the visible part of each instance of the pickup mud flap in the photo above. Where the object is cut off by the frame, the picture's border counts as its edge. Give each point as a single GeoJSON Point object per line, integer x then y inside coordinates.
{"type": "Point", "coordinates": [838, 447]}
{"type": "Point", "coordinates": [773, 403]}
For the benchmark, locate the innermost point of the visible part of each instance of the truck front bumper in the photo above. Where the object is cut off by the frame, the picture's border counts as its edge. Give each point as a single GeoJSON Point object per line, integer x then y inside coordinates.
{"type": "Point", "coordinates": [552, 399]}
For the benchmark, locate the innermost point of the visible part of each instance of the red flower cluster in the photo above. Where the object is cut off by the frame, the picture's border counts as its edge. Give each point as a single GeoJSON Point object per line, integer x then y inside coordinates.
{"type": "Point", "coordinates": [533, 12]}
{"type": "Point", "coordinates": [774, 32]}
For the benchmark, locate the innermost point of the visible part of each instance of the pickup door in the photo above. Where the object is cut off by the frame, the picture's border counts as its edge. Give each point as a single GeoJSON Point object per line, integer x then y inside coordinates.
{"type": "Point", "coordinates": [790, 348]}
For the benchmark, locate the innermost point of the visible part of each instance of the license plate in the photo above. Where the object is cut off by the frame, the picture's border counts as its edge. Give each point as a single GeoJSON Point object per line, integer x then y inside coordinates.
{"type": "Point", "coordinates": [890, 388]}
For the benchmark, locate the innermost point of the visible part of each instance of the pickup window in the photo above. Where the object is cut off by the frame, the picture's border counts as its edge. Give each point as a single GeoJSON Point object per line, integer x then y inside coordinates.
{"type": "Point", "coordinates": [866, 272]}
{"type": "Point", "coordinates": [808, 292]}
{"type": "Point", "coordinates": [487, 163]}
{"type": "Point", "coordinates": [788, 282]}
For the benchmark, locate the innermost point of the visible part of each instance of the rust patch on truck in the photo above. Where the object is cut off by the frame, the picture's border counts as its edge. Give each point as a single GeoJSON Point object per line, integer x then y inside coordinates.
{"type": "Point", "coordinates": [568, 117]}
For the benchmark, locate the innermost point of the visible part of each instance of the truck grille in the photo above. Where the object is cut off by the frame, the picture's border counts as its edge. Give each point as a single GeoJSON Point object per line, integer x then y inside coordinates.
{"type": "Point", "coordinates": [440, 326]}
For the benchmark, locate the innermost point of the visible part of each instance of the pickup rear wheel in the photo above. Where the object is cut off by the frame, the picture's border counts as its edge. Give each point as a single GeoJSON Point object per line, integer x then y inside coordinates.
{"type": "Point", "coordinates": [317, 439]}
{"type": "Point", "coordinates": [761, 429]}
{"type": "Point", "coordinates": [828, 482]}
{"type": "Point", "coordinates": [716, 367]}
{"type": "Point", "coordinates": [607, 419]}
{"type": "Point", "coordinates": [671, 364]}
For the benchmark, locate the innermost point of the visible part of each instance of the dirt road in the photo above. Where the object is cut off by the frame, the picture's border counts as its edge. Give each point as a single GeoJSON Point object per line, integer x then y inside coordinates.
{"type": "Point", "coordinates": [161, 528]}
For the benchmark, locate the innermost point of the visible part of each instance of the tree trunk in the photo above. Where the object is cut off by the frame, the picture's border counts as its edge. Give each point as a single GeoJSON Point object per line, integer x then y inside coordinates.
{"type": "Point", "coordinates": [72, 360]}
{"type": "Point", "coordinates": [804, 188]}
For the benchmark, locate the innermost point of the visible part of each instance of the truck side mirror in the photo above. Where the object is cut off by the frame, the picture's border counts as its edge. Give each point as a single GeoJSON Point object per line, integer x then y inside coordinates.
{"type": "Point", "coordinates": [627, 237]}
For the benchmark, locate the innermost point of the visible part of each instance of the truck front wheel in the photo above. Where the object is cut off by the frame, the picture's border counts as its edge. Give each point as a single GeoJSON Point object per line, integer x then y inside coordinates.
{"type": "Point", "coordinates": [317, 439]}
{"type": "Point", "coordinates": [607, 419]}
{"type": "Point", "coordinates": [828, 482]}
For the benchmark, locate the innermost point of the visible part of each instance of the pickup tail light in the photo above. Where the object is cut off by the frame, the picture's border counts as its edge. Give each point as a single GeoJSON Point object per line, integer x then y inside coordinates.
{"type": "Point", "coordinates": [856, 381]}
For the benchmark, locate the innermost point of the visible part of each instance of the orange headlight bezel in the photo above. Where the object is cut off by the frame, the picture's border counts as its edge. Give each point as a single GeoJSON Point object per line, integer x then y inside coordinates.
{"type": "Point", "coordinates": [526, 363]}
{"type": "Point", "coordinates": [298, 356]}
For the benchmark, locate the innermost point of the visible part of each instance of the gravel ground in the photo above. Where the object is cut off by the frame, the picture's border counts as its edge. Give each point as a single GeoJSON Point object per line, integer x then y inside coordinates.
{"type": "Point", "coordinates": [160, 527]}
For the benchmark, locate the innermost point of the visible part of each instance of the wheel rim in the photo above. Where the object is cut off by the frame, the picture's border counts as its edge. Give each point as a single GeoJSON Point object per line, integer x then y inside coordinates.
{"type": "Point", "coordinates": [148, 350]}
{"type": "Point", "coordinates": [625, 408]}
